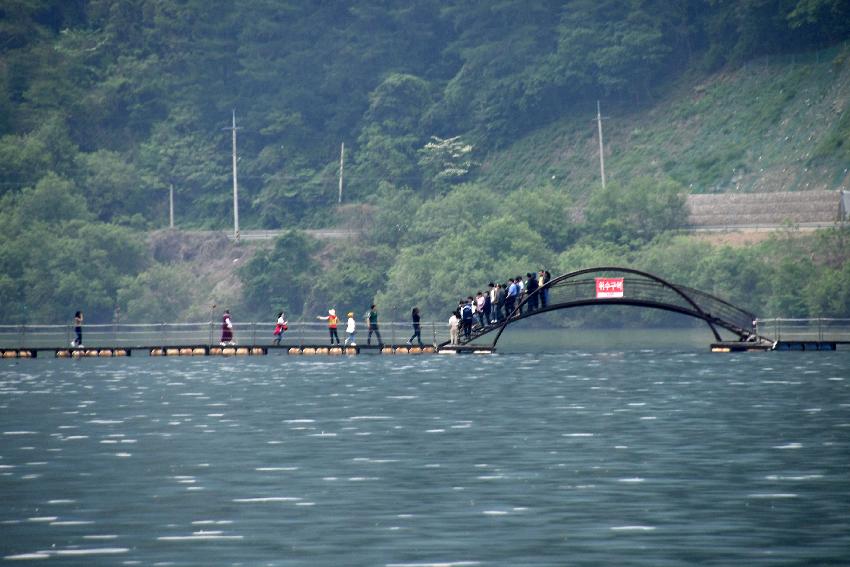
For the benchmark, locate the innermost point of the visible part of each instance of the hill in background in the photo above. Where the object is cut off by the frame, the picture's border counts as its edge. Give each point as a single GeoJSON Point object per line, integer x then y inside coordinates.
{"type": "Point", "coordinates": [774, 124]}
{"type": "Point", "coordinates": [469, 133]}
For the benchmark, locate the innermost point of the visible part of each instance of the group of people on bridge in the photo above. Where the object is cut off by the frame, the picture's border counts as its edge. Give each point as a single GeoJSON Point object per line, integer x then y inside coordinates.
{"type": "Point", "coordinates": [492, 307]}
{"type": "Point", "coordinates": [333, 320]}
{"type": "Point", "coordinates": [486, 308]}
{"type": "Point", "coordinates": [499, 303]}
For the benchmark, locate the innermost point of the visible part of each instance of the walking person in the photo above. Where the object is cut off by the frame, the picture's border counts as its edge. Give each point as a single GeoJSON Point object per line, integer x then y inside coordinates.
{"type": "Point", "coordinates": [479, 308]}
{"type": "Point", "coordinates": [226, 329]}
{"type": "Point", "coordinates": [547, 277]}
{"type": "Point", "coordinates": [454, 324]}
{"type": "Point", "coordinates": [510, 298]}
{"type": "Point", "coordinates": [417, 329]}
{"type": "Point", "coordinates": [78, 330]}
{"type": "Point", "coordinates": [544, 291]}
{"type": "Point", "coordinates": [530, 287]}
{"type": "Point", "coordinates": [333, 321]}
{"type": "Point", "coordinates": [466, 317]}
{"type": "Point", "coordinates": [520, 292]}
{"type": "Point", "coordinates": [372, 323]}
{"type": "Point", "coordinates": [494, 302]}
{"type": "Point", "coordinates": [350, 329]}
{"type": "Point", "coordinates": [279, 328]}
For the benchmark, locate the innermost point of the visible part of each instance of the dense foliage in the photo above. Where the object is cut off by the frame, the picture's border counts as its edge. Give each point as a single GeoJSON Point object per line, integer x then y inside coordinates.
{"type": "Point", "coordinates": [128, 97]}
{"type": "Point", "coordinates": [105, 104]}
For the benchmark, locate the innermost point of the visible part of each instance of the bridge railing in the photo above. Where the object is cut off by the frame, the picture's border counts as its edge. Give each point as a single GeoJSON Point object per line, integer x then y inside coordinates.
{"type": "Point", "coordinates": [645, 289]}
{"type": "Point", "coordinates": [638, 288]}
{"type": "Point", "coordinates": [129, 335]}
{"type": "Point", "coordinates": [816, 329]}
{"type": "Point", "coordinates": [721, 309]}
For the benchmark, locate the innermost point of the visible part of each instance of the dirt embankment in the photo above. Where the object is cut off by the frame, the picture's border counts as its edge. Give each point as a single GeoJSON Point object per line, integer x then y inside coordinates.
{"type": "Point", "coordinates": [210, 260]}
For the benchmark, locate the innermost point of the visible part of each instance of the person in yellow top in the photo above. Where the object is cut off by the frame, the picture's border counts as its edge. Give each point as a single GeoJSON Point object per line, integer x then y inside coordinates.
{"type": "Point", "coordinates": [333, 321]}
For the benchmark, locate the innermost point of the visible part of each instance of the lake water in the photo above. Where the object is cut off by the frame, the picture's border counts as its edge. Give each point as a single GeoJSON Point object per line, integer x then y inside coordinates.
{"type": "Point", "coordinates": [626, 451]}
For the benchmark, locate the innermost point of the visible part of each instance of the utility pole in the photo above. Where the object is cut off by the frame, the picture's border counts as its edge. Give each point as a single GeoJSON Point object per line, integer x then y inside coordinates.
{"type": "Point", "coordinates": [341, 166]}
{"type": "Point", "coordinates": [601, 145]}
{"type": "Point", "coordinates": [233, 129]}
{"type": "Point", "coordinates": [171, 206]}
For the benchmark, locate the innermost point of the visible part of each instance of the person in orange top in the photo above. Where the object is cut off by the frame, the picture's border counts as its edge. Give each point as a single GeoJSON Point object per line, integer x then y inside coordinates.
{"type": "Point", "coordinates": [333, 321]}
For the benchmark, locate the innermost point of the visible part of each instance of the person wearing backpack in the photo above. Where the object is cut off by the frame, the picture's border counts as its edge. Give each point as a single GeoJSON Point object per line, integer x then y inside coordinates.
{"type": "Point", "coordinates": [467, 314]}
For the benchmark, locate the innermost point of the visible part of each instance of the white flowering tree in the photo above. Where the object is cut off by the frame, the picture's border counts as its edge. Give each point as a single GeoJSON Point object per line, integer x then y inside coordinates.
{"type": "Point", "coordinates": [445, 162]}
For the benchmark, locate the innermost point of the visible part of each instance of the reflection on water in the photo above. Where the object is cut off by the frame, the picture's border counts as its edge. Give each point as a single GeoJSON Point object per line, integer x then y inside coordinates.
{"type": "Point", "coordinates": [655, 455]}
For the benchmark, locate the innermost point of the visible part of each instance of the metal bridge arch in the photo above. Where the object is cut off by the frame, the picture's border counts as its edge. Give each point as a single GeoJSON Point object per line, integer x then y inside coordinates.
{"type": "Point", "coordinates": [642, 289]}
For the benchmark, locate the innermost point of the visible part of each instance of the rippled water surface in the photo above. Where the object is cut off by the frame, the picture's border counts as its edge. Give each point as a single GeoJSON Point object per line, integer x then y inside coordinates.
{"type": "Point", "coordinates": [643, 457]}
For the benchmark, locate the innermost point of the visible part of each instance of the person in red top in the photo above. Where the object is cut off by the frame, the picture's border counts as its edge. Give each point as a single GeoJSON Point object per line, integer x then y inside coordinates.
{"type": "Point", "coordinates": [279, 328]}
{"type": "Point", "coordinates": [333, 321]}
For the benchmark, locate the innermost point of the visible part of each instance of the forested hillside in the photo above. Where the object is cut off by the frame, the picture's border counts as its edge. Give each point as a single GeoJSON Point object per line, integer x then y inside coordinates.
{"type": "Point", "coordinates": [468, 133]}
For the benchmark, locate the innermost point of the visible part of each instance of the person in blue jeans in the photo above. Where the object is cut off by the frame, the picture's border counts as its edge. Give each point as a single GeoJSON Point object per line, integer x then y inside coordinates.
{"type": "Point", "coordinates": [510, 298]}
{"type": "Point", "coordinates": [78, 330]}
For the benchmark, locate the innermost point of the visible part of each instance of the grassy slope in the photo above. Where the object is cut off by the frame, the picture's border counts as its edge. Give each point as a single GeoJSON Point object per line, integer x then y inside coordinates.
{"type": "Point", "coordinates": [773, 125]}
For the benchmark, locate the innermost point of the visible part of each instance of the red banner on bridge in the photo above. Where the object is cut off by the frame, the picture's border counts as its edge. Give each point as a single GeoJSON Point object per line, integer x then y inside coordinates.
{"type": "Point", "coordinates": [609, 287]}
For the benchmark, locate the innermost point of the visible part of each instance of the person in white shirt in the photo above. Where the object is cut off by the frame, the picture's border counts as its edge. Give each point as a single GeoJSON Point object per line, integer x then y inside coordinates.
{"type": "Point", "coordinates": [454, 324]}
{"type": "Point", "coordinates": [279, 328]}
{"type": "Point", "coordinates": [494, 303]}
{"type": "Point", "coordinates": [350, 328]}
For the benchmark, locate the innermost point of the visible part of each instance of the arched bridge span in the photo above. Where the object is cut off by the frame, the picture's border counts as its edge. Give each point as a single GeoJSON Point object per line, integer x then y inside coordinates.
{"type": "Point", "coordinates": [612, 285]}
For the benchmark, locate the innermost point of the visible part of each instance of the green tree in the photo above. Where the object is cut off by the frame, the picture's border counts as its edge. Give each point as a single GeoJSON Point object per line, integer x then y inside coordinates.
{"type": "Point", "coordinates": [547, 211]}
{"type": "Point", "coordinates": [827, 292]}
{"type": "Point", "coordinates": [280, 277]}
{"type": "Point", "coordinates": [434, 276]}
{"type": "Point", "coordinates": [355, 277]}
{"type": "Point", "coordinates": [52, 201]}
{"type": "Point", "coordinates": [636, 212]}
{"type": "Point", "coordinates": [607, 47]}
{"type": "Point", "coordinates": [394, 216]}
{"type": "Point", "coordinates": [162, 293]}
{"type": "Point", "coordinates": [462, 211]}
{"type": "Point", "coordinates": [113, 187]}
